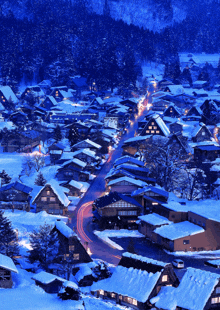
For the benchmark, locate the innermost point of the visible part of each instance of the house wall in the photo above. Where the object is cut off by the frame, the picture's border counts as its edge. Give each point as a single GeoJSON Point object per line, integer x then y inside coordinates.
{"type": "Point", "coordinates": [51, 204]}
{"type": "Point", "coordinates": [123, 187]}
{"type": "Point", "coordinates": [5, 278]}
{"type": "Point", "coordinates": [203, 135]}
{"type": "Point", "coordinates": [177, 217]}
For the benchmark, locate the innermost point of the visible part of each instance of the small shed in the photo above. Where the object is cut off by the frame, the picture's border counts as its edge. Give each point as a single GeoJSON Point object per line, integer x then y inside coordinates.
{"type": "Point", "coordinates": [50, 283]}
{"type": "Point", "coordinates": [7, 266]}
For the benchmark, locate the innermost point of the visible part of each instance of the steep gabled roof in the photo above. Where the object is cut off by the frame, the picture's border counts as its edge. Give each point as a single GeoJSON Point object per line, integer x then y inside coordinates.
{"type": "Point", "coordinates": [128, 159]}
{"type": "Point", "coordinates": [18, 186]}
{"type": "Point", "coordinates": [7, 263]}
{"type": "Point", "coordinates": [8, 93]}
{"type": "Point", "coordinates": [113, 197]}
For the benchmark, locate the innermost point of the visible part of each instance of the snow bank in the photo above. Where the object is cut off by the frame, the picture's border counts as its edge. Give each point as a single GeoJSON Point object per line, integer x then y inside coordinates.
{"type": "Point", "coordinates": [122, 233]}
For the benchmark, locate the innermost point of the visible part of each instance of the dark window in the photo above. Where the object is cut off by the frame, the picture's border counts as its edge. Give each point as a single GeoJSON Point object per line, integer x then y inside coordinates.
{"type": "Point", "coordinates": [185, 241]}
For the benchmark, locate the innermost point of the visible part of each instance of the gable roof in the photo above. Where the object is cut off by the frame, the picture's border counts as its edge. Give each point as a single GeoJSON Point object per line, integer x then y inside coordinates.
{"type": "Point", "coordinates": [128, 179]}
{"type": "Point", "coordinates": [154, 219]}
{"type": "Point", "coordinates": [130, 282]}
{"type": "Point", "coordinates": [193, 292]}
{"type": "Point", "coordinates": [75, 161]}
{"type": "Point", "coordinates": [18, 186]}
{"type": "Point", "coordinates": [153, 189]}
{"type": "Point", "coordinates": [58, 190]}
{"type": "Point", "coordinates": [113, 197]}
{"type": "Point", "coordinates": [7, 263]}
{"type": "Point", "coordinates": [178, 230]}
{"type": "Point", "coordinates": [93, 144]}
{"type": "Point", "coordinates": [126, 158]}
{"type": "Point", "coordinates": [46, 278]}
{"type": "Point", "coordinates": [160, 123]}
{"type": "Point", "coordinates": [7, 93]}
{"type": "Point", "coordinates": [64, 229]}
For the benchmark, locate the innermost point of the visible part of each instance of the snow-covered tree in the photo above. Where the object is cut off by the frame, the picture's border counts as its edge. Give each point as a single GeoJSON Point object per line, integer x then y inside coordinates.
{"type": "Point", "coordinates": [27, 164]}
{"type": "Point", "coordinates": [40, 180]}
{"type": "Point", "coordinates": [38, 161]}
{"type": "Point", "coordinates": [5, 178]}
{"type": "Point", "coordinates": [57, 134]}
{"type": "Point", "coordinates": [8, 238]}
{"type": "Point", "coordinates": [45, 245]}
{"type": "Point", "coordinates": [69, 292]}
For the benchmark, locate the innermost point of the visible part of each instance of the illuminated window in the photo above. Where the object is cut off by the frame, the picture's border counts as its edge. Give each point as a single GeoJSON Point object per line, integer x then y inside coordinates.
{"type": "Point", "coordinates": [147, 131]}
{"type": "Point", "coordinates": [152, 131]}
{"type": "Point", "coordinates": [157, 131]}
{"type": "Point", "coordinates": [76, 256]}
{"type": "Point", "coordinates": [120, 297]}
{"type": "Point", "coordinates": [48, 192]}
{"type": "Point", "coordinates": [155, 127]}
{"type": "Point", "coordinates": [165, 278]}
{"type": "Point", "coordinates": [71, 247]}
{"type": "Point", "coordinates": [52, 199]}
{"type": "Point", "coordinates": [101, 292]}
{"type": "Point", "coordinates": [113, 295]}
{"type": "Point", "coordinates": [43, 198]}
{"type": "Point", "coordinates": [152, 123]}
{"type": "Point", "coordinates": [135, 302]}
{"type": "Point", "coordinates": [150, 127]}
{"type": "Point", "coordinates": [215, 300]}
{"type": "Point", "coordinates": [154, 203]}
{"type": "Point", "coordinates": [203, 133]}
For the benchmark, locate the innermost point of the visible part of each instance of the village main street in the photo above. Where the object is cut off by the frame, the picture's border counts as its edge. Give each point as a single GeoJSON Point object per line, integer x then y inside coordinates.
{"type": "Point", "coordinates": [81, 220]}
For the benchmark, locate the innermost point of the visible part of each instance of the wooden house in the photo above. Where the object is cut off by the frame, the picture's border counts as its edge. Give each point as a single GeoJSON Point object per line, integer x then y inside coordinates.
{"type": "Point", "coordinates": [150, 197]}
{"type": "Point", "coordinates": [116, 210]}
{"type": "Point", "coordinates": [17, 141]}
{"type": "Point", "coordinates": [35, 90]}
{"type": "Point", "coordinates": [83, 129]}
{"type": "Point", "coordinates": [206, 285]}
{"type": "Point", "coordinates": [61, 93]}
{"type": "Point", "coordinates": [52, 199]}
{"type": "Point", "coordinates": [75, 188]}
{"type": "Point", "coordinates": [207, 152]}
{"type": "Point", "coordinates": [156, 126]}
{"type": "Point", "coordinates": [15, 196]}
{"type": "Point", "coordinates": [98, 104]}
{"type": "Point", "coordinates": [135, 281]}
{"type": "Point", "coordinates": [56, 151]}
{"type": "Point", "coordinates": [178, 144]}
{"type": "Point", "coordinates": [7, 266]}
{"type": "Point", "coordinates": [79, 84]}
{"type": "Point", "coordinates": [7, 98]}
{"type": "Point", "coordinates": [49, 102]}
{"type": "Point", "coordinates": [72, 169]}
{"type": "Point", "coordinates": [149, 222]}
{"type": "Point", "coordinates": [86, 155]}
{"type": "Point", "coordinates": [194, 114]}
{"type": "Point", "coordinates": [201, 133]}
{"type": "Point", "coordinates": [45, 85]}
{"type": "Point", "coordinates": [125, 185]}
{"type": "Point", "coordinates": [160, 105]}
{"type": "Point", "coordinates": [182, 236]}
{"type": "Point", "coordinates": [172, 111]}
{"type": "Point", "coordinates": [86, 144]}
{"type": "Point", "coordinates": [135, 144]}
{"type": "Point", "coordinates": [70, 249]}
{"type": "Point", "coordinates": [132, 105]}
{"type": "Point", "coordinates": [50, 283]}
{"type": "Point", "coordinates": [176, 128]}
{"type": "Point", "coordinates": [84, 276]}
{"type": "Point", "coordinates": [19, 118]}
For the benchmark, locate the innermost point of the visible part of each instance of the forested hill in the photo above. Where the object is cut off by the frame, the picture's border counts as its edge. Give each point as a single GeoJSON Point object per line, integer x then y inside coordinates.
{"type": "Point", "coordinates": [56, 39]}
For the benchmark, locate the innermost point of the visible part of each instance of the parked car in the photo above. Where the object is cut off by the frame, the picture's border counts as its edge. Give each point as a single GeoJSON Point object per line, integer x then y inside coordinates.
{"type": "Point", "coordinates": [213, 263]}
{"type": "Point", "coordinates": [178, 263]}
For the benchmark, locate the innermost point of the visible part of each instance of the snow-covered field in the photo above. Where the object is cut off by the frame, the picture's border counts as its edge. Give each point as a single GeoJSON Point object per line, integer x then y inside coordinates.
{"type": "Point", "coordinates": [25, 295]}
{"type": "Point", "coordinates": [122, 233]}
{"type": "Point", "coordinates": [12, 164]}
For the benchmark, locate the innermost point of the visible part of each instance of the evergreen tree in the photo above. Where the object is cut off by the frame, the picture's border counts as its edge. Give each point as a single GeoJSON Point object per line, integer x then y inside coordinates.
{"type": "Point", "coordinates": [73, 135]}
{"type": "Point", "coordinates": [57, 134]}
{"type": "Point", "coordinates": [70, 293]}
{"type": "Point", "coordinates": [5, 178]}
{"type": "Point", "coordinates": [8, 239]}
{"type": "Point", "coordinates": [40, 180]}
{"type": "Point", "coordinates": [45, 246]}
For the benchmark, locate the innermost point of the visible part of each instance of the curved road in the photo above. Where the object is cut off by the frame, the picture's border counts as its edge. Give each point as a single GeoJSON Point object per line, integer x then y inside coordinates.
{"type": "Point", "coordinates": [81, 220]}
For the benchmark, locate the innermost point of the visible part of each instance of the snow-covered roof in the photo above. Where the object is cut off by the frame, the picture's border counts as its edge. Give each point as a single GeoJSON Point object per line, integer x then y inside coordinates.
{"type": "Point", "coordinates": [83, 271]}
{"type": "Point", "coordinates": [176, 89]}
{"type": "Point", "coordinates": [154, 219]}
{"type": "Point", "coordinates": [126, 158]}
{"type": "Point", "coordinates": [193, 292]}
{"type": "Point", "coordinates": [161, 124]}
{"type": "Point", "coordinates": [75, 161]}
{"type": "Point", "coordinates": [46, 278]}
{"type": "Point", "coordinates": [52, 99]}
{"type": "Point", "coordinates": [130, 282]}
{"type": "Point", "coordinates": [70, 284]}
{"type": "Point", "coordinates": [178, 230]}
{"type": "Point", "coordinates": [7, 93]}
{"type": "Point", "coordinates": [137, 138]}
{"type": "Point", "coordinates": [89, 142]}
{"type": "Point", "coordinates": [64, 229]}
{"type": "Point", "coordinates": [58, 190]}
{"type": "Point", "coordinates": [130, 180]}
{"type": "Point", "coordinates": [7, 263]}
{"type": "Point", "coordinates": [175, 206]}
{"type": "Point", "coordinates": [86, 151]}
{"type": "Point", "coordinates": [145, 259]}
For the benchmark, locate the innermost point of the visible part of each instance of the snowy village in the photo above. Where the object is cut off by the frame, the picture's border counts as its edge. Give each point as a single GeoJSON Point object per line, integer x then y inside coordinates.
{"type": "Point", "coordinates": [109, 156]}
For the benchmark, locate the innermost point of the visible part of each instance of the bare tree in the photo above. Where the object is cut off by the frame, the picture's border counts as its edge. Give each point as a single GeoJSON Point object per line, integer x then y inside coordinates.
{"type": "Point", "coordinates": [38, 161]}
{"type": "Point", "coordinates": [27, 164]}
